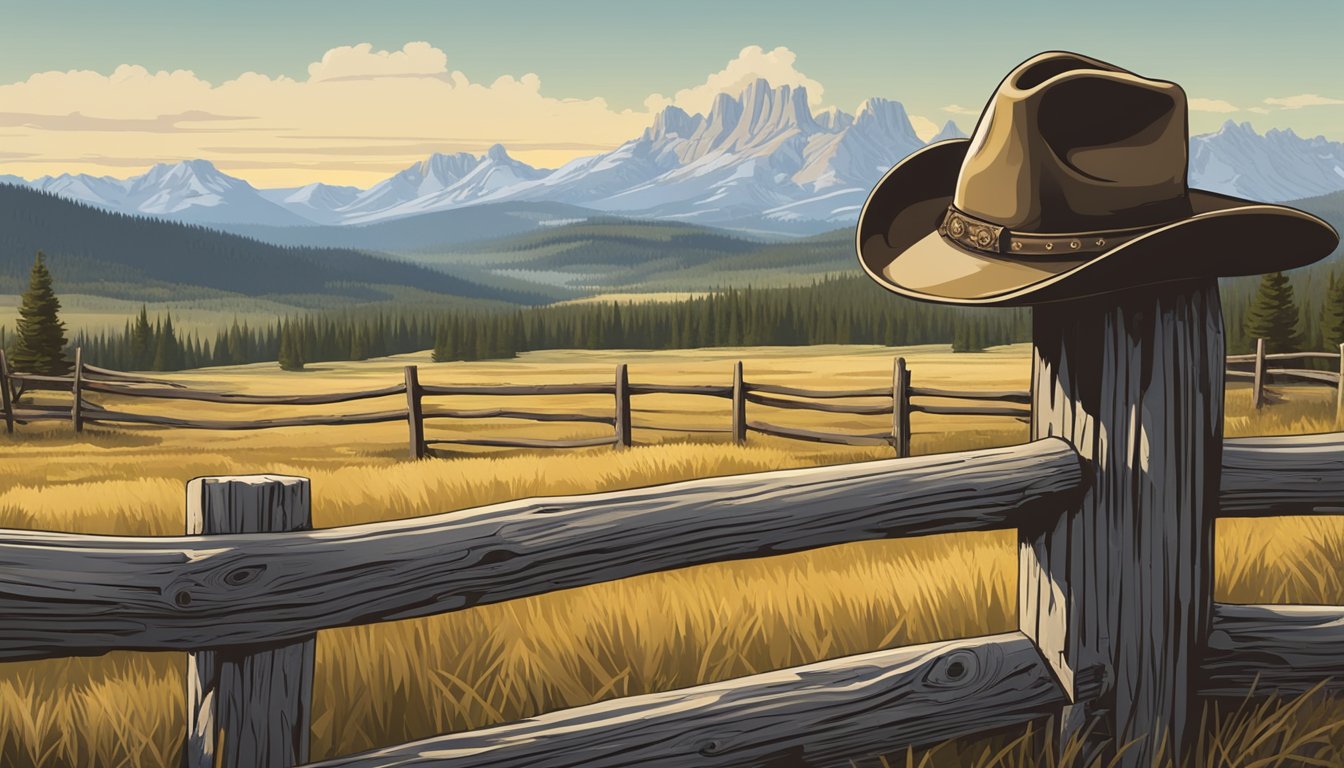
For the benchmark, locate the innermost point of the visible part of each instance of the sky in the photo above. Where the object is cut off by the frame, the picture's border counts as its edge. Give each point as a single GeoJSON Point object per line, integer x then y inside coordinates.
{"type": "Point", "coordinates": [285, 93]}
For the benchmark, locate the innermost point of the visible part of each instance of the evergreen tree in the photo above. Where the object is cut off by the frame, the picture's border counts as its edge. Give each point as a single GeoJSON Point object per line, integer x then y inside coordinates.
{"type": "Point", "coordinates": [39, 343]}
{"type": "Point", "coordinates": [291, 351]}
{"type": "Point", "coordinates": [142, 342]}
{"type": "Point", "coordinates": [167, 353]}
{"type": "Point", "coordinates": [1273, 315]}
{"type": "Point", "coordinates": [1332, 313]}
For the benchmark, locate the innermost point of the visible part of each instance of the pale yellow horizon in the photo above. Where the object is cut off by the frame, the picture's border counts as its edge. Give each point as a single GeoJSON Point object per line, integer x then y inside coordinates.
{"type": "Point", "coordinates": [359, 116]}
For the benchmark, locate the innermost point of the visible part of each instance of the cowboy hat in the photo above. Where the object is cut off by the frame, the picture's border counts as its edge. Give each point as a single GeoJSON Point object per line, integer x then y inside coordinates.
{"type": "Point", "coordinates": [1073, 184]}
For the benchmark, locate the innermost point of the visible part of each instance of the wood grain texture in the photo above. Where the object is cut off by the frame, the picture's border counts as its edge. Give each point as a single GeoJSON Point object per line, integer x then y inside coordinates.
{"type": "Point", "coordinates": [248, 707]}
{"type": "Point", "coordinates": [1123, 580]}
{"type": "Point", "coordinates": [1273, 476]}
{"type": "Point", "coordinates": [822, 714]}
{"type": "Point", "coordinates": [1273, 649]}
{"type": "Point", "coordinates": [167, 393]}
{"type": "Point", "coordinates": [69, 594]}
{"type": "Point", "coordinates": [810, 435]}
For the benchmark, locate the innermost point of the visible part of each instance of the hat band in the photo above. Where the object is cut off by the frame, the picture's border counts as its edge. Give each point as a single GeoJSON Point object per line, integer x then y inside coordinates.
{"type": "Point", "coordinates": [980, 235]}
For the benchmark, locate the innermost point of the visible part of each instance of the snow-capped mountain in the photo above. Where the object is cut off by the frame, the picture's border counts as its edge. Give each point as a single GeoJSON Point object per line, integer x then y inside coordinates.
{"type": "Point", "coordinates": [441, 183]}
{"type": "Point", "coordinates": [192, 190]}
{"type": "Point", "coordinates": [760, 160]}
{"type": "Point", "coordinates": [317, 202]}
{"type": "Point", "coordinates": [1276, 166]}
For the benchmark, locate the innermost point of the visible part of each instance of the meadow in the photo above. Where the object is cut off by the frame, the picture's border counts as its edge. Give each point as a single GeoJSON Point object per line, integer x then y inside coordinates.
{"type": "Point", "coordinates": [395, 682]}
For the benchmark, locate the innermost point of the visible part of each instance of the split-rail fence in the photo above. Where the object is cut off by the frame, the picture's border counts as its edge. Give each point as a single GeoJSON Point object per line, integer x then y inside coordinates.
{"type": "Point", "coordinates": [1113, 500]}
{"type": "Point", "coordinates": [897, 402]}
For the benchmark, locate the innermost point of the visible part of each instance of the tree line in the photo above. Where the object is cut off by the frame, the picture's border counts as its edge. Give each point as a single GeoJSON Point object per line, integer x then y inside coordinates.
{"type": "Point", "coordinates": [837, 310]}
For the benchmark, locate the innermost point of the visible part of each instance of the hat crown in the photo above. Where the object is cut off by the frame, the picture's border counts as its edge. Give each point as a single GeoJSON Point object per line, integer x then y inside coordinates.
{"type": "Point", "coordinates": [1068, 144]}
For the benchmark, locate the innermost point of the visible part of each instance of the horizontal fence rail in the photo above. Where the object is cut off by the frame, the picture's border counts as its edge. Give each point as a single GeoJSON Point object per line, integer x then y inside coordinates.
{"type": "Point", "coordinates": [820, 714]}
{"type": "Point", "coordinates": [1280, 649]}
{"type": "Point", "coordinates": [241, 398]}
{"type": "Point", "coordinates": [70, 594]}
{"type": "Point", "coordinates": [895, 401]}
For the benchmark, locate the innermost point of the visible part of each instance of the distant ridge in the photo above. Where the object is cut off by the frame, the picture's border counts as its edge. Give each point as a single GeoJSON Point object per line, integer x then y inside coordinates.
{"type": "Point", "coordinates": [108, 254]}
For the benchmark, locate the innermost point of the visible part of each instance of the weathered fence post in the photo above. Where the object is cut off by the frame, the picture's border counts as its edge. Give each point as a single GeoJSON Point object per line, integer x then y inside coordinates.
{"type": "Point", "coordinates": [1117, 591]}
{"type": "Point", "coordinates": [4, 394]}
{"type": "Point", "coordinates": [1258, 385]}
{"type": "Point", "coordinates": [77, 392]}
{"type": "Point", "coordinates": [622, 407]}
{"type": "Point", "coordinates": [248, 708]}
{"type": "Point", "coordinates": [415, 421]}
{"type": "Point", "coordinates": [739, 405]}
{"type": "Point", "coordinates": [900, 408]}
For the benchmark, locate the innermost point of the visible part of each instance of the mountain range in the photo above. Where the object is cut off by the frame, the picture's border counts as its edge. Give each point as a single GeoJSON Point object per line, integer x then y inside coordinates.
{"type": "Point", "coordinates": [760, 161]}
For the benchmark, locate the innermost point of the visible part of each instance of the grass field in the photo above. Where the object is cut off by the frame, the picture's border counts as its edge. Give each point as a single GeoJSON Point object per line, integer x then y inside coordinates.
{"type": "Point", "coordinates": [395, 682]}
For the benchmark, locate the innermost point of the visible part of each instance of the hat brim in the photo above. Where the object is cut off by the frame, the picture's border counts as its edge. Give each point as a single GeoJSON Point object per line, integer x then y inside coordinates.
{"type": "Point", "coordinates": [899, 246]}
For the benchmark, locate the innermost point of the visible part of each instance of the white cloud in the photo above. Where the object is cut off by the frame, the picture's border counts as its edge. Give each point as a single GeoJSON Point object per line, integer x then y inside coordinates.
{"type": "Point", "coordinates": [1212, 105]}
{"type": "Point", "coordinates": [418, 58]}
{"type": "Point", "coordinates": [389, 98]}
{"type": "Point", "coordinates": [1258, 110]}
{"type": "Point", "coordinates": [753, 62]}
{"type": "Point", "coordinates": [957, 109]}
{"type": "Point", "coordinates": [1302, 100]}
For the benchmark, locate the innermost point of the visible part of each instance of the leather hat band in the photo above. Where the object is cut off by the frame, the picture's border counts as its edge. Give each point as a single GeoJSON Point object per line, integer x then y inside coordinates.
{"type": "Point", "coordinates": [983, 236]}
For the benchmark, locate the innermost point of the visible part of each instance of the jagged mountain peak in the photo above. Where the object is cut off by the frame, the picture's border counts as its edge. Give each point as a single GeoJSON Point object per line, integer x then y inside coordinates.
{"type": "Point", "coordinates": [833, 119]}
{"type": "Point", "coordinates": [950, 130]}
{"type": "Point", "coordinates": [671, 122]}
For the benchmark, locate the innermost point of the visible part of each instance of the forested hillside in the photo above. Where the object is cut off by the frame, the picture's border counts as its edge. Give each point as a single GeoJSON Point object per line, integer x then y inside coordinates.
{"type": "Point", "coordinates": [108, 254]}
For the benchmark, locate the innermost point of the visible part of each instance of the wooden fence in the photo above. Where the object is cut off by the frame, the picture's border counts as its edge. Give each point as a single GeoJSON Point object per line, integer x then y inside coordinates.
{"type": "Point", "coordinates": [1260, 371]}
{"type": "Point", "coordinates": [1113, 500]}
{"type": "Point", "coordinates": [897, 401]}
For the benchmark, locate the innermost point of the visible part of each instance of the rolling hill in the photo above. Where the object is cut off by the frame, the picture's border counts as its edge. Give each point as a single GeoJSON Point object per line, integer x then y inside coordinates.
{"type": "Point", "coordinates": [95, 252]}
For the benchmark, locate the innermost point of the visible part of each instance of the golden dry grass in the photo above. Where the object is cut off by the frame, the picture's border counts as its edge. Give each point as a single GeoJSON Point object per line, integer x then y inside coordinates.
{"type": "Point", "coordinates": [395, 682]}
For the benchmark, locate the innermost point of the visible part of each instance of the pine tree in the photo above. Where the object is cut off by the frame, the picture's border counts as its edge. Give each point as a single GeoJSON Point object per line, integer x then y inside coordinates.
{"type": "Point", "coordinates": [167, 353]}
{"type": "Point", "coordinates": [39, 343]}
{"type": "Point", "coordinates": [1332, 313]}
{"type": "Point", "coordinates": [1273, 315]}
{"type": "Point", "coordinates": [291, 352]}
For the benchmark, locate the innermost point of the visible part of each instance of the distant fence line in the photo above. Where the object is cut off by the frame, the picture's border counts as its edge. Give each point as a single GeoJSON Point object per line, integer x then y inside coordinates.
{"type": "Point", "coordinates": [1260, 371]}
{"type": "Point", "coordinates": [899, 400]}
